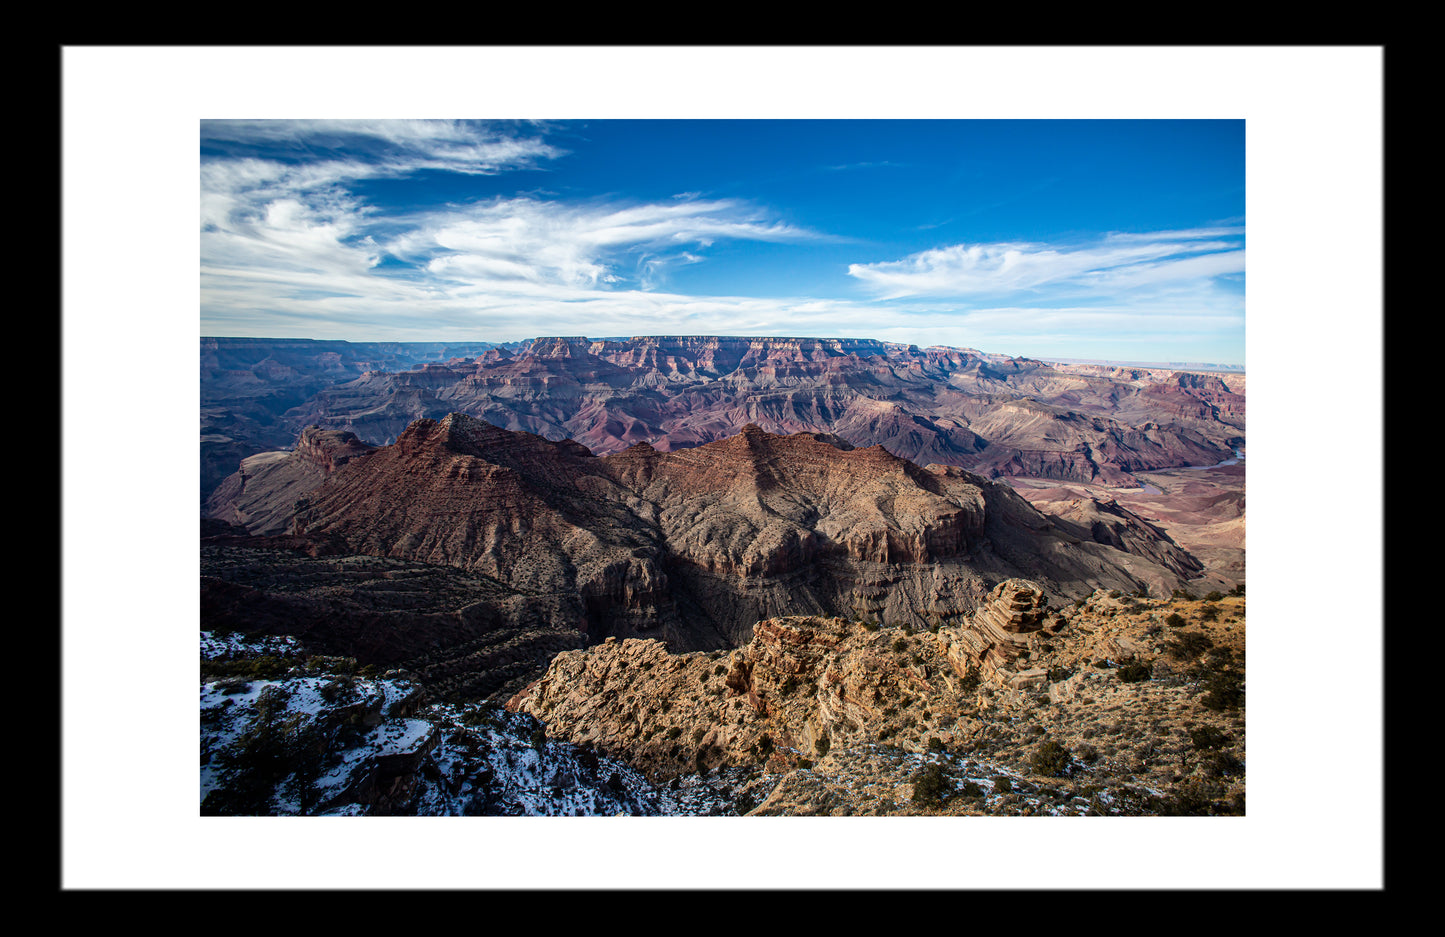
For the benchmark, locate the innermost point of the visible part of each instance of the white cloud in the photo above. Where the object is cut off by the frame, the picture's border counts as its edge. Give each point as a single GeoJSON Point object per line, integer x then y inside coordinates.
{"type": "Point", "coordinates": [1117, 262]}
{"type": "Point", "coordinates": [507, 242]}
{"type": "Point", "coordinates": [392, 146]}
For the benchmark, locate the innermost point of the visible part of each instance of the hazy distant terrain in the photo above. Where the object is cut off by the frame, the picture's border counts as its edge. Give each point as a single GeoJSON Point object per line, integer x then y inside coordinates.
{"type": "Point", "coordinates": [248, 384]}
{"type": "Point", "coordinates": [988, 413]}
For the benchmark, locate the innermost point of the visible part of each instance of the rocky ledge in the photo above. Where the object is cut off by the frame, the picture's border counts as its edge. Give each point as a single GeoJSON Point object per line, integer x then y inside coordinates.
{"type": "Point", "coordinates": [1115, 705]}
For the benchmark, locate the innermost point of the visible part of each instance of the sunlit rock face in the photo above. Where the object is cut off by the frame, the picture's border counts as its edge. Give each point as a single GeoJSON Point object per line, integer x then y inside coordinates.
{"type": "Point", "coordinates": [695, 546]}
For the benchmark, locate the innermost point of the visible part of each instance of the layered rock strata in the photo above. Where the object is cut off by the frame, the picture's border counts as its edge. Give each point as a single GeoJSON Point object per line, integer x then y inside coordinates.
{"type": "Point", "coordinates": [696, 546]}
{"type": "Point", "coordinates": [991, 414]}
{"type": "Point", "coordinates": [1000, 632]}
{"type": "Point", "coordinates": [261, 496]}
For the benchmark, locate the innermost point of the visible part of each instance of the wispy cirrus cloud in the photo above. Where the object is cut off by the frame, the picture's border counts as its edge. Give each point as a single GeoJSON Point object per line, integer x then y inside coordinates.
{"type": "Point", "coordinates": [281, 218]}
{"type": "Point", "coordinates": [587, 246]}
{"type": "Point", "coordinates": [1117, 262]}
{"type": "Point", "coordinates": [384, 147]}
{"type": "Point", "coordinates": [277, 197]}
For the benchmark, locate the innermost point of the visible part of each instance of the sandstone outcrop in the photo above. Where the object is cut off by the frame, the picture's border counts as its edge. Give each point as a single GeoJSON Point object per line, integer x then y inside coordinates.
{"type": "Point", "coordinates": [1000, 632]}
{"type": "Point", "coordinates": [843, 717]}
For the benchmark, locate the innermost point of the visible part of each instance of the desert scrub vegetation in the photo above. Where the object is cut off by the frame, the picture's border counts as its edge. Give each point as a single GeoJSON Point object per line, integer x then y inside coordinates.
{"type": "Point", "coordinates": [277, 752]}
{"type": "Point", "coordinates": [1223, 690]}
{"type": "Point", "coordinates": [256, 668]}
{"type": "Point", "coordinates": [931, 785]}
{"type": "Point", "coordinates": [1201, 799]}
{"type": "Point", "coordinates": [1051, 759]}
{"type": "Point", "coordinates": [1135, 671]}
{"type": "Point", "coordinates": [1188, 646]}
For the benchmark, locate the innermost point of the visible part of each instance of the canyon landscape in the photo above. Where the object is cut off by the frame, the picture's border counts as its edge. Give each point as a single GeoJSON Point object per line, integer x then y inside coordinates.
{"type": "Point", "coordinates": [738, 468]}
{"type": "Point", "coordinates": [713, 575]}
{"type": "Point", "coordinates": [581, 502]}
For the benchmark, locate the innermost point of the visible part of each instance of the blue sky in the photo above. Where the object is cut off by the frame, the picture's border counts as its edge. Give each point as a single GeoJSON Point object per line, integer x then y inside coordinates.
{"type": "Point", "coordinates": [1118, 239]}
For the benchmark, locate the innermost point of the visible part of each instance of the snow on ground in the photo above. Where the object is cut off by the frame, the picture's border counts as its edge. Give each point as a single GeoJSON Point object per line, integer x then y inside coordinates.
{"type": "Point", "coordinates": [228, 645]}
{"type": "Point", "coordinates": [465, 760]}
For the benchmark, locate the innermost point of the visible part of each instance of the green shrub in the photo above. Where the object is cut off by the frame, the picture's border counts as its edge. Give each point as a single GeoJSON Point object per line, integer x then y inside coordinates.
{"type": "Point", "coordinates": [1206, 737]}
{"type": "Point", "coordinates": [1198, 799]}
{"type": "Point", "coordinates": [1051, 759]}
{"type": "Point", "coordinates": [931, 785]}
{"type": "Point", "coordinates": [1220, 656]}
{"type": "Point", "coordinates": [899, 645]}
{"type": "Point", "coordinates": [1174, 620]}
{"type": "Point", "coordinates": [1224, 690]}
{"type": "Point", "coordinates": [971, 789]}
{"type": "Point", "coordinates": [1188, 646]}
{"type": "Point", "coordinates": [1223, 764]}
{"type": "Point", "coordinates": [1135, 671]}
{"type": "Point", "coordinates": [822, 745]}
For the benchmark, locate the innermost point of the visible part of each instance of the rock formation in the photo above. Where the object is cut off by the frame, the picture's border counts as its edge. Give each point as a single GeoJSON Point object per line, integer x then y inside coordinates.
{"type": "Point", "coordinates": [999, 632]}
{"type": "Point", "coordinates": [692, 546]}
{"type": "Point", "coordinates": [990, 414]}
{"type": "Point", "coordinates": [1130, 692]}
{"type": "Point", "coordinates": [262, 495]}
{"type": "Point", "coordinates": [247, 384]}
